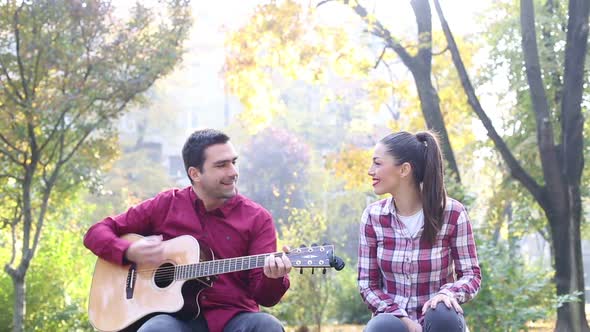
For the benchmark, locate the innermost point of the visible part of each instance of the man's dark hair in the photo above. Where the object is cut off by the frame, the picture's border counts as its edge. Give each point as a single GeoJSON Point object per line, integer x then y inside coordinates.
{"type": "Point", "coordinates": [193, 151]}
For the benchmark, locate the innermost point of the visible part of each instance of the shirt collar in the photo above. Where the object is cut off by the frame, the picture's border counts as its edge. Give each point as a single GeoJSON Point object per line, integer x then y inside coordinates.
{"type": "Point", "coordinates": [389, 206]}
{"type": "Point", "coordinates": [222, 211]}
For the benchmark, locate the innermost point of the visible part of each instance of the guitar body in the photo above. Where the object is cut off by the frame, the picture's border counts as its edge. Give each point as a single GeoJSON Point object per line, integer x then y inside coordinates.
{"type": "Point", "coordinates": [121, 298]}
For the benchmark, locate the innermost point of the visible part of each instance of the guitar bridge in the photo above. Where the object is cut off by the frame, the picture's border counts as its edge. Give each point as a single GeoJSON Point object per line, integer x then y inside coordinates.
{"type": "Point", "coordinates": [131, 278]}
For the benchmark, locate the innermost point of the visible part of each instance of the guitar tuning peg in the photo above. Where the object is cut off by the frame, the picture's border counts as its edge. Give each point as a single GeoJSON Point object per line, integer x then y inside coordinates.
{"type": "Point", "coordinates": [324, 271]}
{"type": "Point", "coordinates": [312, 270]}
{"type": "Point", "coordinates": [302, 246]}
{"type": "Point", "coordinates": [314, 244]}
{"type": "Point", "coordinates": [301, 271]}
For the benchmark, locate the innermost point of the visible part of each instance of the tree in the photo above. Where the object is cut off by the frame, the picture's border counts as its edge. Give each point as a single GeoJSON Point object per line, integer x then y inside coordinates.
{"type": "Point", "coordinates": [307, 228]}
{"type": "Point", "coordinates": [68, 69]}
{"type": "Point", "coordinates": [277, 188]}
{"type": "Point", "coordinates": [59, 277]}
{"type": "Point", "coordinates": [562, 160]}
{"type": "Point", "coordinates": [559, 194]}
{"type": "Point", "coordinates": [418, 59]}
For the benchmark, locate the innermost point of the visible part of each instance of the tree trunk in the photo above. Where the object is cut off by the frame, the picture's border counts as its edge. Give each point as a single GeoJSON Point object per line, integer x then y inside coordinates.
{"type": "Point", "coordinates": [430, 104]}
{"type": "Point", "coordinates": [569, 268]}
{"type": "Point", "coordinates": [18, 318]}
{"type": "Point", "coordinates": [420, 66]}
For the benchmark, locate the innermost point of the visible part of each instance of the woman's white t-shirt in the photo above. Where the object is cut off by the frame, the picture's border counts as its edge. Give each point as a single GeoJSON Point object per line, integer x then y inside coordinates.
{"type": "Point", "coordinates": [414, 222]}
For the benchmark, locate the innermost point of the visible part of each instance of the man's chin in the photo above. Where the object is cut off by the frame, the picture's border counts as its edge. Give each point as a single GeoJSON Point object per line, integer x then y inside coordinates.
{"type": "Point", "coordinates": [230, 193]}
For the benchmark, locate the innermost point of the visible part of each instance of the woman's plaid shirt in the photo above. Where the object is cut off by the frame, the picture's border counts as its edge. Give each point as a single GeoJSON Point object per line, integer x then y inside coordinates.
{"type": "Point", "coordinates": [397, 273]}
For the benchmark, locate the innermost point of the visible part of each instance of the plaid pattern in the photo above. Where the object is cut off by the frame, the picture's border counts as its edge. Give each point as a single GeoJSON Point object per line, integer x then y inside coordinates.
{"type": "Point", "coordinates": [397, 273]}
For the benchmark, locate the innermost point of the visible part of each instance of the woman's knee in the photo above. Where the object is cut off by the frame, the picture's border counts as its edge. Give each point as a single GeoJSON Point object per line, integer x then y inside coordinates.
{"type": "Point", "coordinates": [385, 323]}
{"type": "Point", "coordinates": [443, 319]}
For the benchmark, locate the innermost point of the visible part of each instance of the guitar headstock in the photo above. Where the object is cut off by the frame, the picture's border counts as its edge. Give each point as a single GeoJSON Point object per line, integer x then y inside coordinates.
{"type": "Point", "coordinates": [316, 256]}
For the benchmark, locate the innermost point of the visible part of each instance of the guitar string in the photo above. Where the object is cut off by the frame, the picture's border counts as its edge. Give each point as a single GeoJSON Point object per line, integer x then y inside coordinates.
{"type": "Point", "coordinates": [170, 272]}
{"type": "Point", "coordinates": [215, 262]}
{"type": "Point", "coordinates": [169, 277]}
{"type": "Point", "coordinates": [218, 262]}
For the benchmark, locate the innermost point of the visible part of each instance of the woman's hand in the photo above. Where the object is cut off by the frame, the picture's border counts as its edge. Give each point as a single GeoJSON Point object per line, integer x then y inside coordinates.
{"type": "Point", "coordinates": [448, 300]}
{"type": "Point", "coordinates": [411, 325]}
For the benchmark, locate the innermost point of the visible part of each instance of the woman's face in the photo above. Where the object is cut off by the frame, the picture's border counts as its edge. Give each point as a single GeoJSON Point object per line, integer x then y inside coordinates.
{"type": "Point", "coordinates": [385, 173]}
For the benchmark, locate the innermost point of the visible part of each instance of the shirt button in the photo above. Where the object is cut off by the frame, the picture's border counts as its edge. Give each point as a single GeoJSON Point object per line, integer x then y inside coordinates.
{"type": "Point", "coordinates": [204, 297]}
{"type": "Point", "coordinates": [408, 259]}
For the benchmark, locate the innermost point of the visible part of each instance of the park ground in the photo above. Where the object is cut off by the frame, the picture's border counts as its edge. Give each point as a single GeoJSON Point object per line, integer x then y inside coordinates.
{"type": "Point", "coordinates": [543, 326]}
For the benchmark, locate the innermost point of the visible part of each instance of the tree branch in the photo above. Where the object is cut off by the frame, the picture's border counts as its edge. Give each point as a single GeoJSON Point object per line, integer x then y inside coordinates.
{"type": "Point", "coordinates": [379, 30]}
{"type": "Point", "coordinates": [516, 169]}
{"type": "Point", "coordinates": [10, 144]}
{"type": "Point", "coordinates": [573, 88]}
{"type": "Point", "coordinates": [21, 67]}
{"type": "Point", "coordinates": [11, 157]}
{"type": "Point", "coordinates": [380, 57]}
{"type": "Point", "coordinates": [18, 99]}
{"type": "Point", "coordinates": [441, 52]}
{"type": "Point", "coordinates": [11, 176]}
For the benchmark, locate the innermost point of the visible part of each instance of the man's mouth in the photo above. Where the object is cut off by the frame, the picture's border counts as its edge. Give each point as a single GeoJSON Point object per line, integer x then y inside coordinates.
{"type": "Point", "coordinates": [375, 182]}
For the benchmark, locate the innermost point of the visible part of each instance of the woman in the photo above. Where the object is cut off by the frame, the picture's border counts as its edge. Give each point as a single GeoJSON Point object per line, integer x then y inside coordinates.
{"type": "Point", "coordinates": [414, 243]}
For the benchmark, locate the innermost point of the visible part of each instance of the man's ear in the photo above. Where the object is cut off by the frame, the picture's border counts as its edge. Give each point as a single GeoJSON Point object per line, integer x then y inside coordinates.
{"type": "Point", "coordinates": [194, 174]}
{"type": "Point", "coordinates": [406, 169]}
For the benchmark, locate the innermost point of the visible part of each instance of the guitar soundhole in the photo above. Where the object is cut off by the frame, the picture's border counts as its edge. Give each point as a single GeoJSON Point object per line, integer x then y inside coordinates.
{"type": "Point", "coordinates": [164, 275]}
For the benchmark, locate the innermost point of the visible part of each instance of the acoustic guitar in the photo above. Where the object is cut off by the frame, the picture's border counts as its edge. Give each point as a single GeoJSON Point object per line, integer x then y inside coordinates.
{"type": "Point", "coordinates": [122, 297]}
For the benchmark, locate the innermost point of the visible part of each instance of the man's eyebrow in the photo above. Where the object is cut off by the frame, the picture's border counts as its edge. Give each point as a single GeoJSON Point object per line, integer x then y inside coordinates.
{"type": "Point", "coordinates": [223, 161]}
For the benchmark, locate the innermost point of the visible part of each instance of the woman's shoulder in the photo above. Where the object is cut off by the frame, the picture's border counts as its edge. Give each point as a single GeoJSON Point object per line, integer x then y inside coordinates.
{"type": "Point", "coordinates": [380, 207]}
{"type": "Point", "coordinates": [453, 210]}
{"type": "Point", "coordinates": [453, 205]}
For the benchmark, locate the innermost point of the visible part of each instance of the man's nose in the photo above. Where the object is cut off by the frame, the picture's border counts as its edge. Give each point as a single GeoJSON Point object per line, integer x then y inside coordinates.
{"type": "Point", "coordinates": [234, 171]}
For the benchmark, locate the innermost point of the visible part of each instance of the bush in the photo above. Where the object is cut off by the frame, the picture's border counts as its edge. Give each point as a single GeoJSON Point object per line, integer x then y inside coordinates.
{"type": "Point", "coordinates": [512, 294]}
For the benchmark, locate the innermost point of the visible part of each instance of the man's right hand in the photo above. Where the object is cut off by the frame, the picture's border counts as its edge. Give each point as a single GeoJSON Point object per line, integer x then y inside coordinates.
{"type": "Point", "coordinates": [148, 250]}
{"type": "Point", "coordinates": [411, 325]}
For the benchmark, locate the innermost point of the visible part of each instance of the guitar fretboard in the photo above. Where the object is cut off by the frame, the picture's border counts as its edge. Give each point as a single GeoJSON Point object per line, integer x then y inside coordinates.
{"type": "Point", "coordinates": [220, 266]}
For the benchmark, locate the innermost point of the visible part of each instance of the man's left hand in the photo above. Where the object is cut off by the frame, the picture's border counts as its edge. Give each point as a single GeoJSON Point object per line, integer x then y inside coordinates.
{"type": "Point", "coordinates": [277, 267]}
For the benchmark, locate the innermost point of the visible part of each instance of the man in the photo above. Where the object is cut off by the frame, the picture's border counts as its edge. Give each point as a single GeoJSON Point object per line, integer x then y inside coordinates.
{"type": "Point", "coordinates": [214, 213]}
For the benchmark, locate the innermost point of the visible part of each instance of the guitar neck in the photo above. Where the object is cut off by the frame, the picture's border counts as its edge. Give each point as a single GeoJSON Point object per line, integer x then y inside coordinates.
{"type": "Point", "coordinates": [220, 266]}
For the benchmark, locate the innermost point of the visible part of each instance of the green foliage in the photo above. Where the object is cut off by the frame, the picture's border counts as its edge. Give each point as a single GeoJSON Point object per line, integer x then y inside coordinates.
{"type": "Point", "coordinates": [133, 178]}
{"type": "Point", "coordinates": [58, 279]}
{"type": "Point", "coordinates": [347, 306]}
{"type": "Point", "coordinates": [310, 294]}
{"type": "Point", "coordinates": [513, 292]}
{"type": "Point", "coordinates": [69, 71]}
{"type": "Point", "coordinates": [283, 43]}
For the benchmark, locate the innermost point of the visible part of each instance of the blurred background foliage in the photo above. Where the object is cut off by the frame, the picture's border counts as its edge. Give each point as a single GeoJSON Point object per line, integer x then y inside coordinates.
{"type": "Point", "coordinates": [304, 101]}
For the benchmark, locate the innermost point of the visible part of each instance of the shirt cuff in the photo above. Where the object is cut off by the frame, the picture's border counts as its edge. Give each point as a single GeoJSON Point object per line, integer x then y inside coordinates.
{"type": "Point", "coordinates": [281, 283]}
{"type": "Point", "coordinates": [447, 292]}
{"type": "Point", "coordinates": [118, 249]}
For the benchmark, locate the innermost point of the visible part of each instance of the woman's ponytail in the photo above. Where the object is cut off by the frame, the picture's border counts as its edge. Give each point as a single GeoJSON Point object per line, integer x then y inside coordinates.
{"type": "Point", "coordinates": [434, 196]}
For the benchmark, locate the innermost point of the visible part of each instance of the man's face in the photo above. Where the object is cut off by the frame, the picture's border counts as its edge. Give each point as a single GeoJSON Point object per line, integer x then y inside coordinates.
{"type": "Point", "coordinates": [220, 173]}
